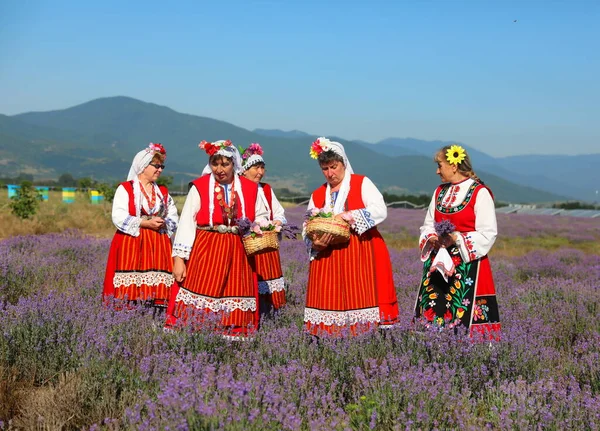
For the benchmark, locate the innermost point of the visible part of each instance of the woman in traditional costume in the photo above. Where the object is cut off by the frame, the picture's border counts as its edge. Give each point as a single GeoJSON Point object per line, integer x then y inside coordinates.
{"type": "Point", "coordinates": [350, 285]}
{"type": "Point", "coordinates": [457, 287]}
{"type": "Point", "coordinates": [140, 267]}
{"type": "Point", "coordinates": [217, 283]}
{"type": "Point", "coordinates": [271, 285]}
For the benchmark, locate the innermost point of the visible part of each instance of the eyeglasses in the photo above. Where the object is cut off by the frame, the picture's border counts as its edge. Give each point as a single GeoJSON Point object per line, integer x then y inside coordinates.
{"type": "Point", "coordinates": [157, 166]}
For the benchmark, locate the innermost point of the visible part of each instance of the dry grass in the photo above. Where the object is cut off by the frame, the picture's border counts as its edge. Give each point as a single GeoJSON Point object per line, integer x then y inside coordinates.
{"type": "Point", "coordinates": [517, 246]}
{"type": "Point", "coordinates": [56, 216]}
{"type": "Point", "coordinates": [514, 246]}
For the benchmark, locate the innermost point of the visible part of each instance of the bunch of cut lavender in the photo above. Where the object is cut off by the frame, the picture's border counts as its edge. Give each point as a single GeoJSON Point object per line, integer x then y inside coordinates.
{"type": "Point", "coordinates": [290, 231]}
{"type": "Point", "coordinates": [444, 227]}
{"type": "Point", "coordinates": [244, 225]}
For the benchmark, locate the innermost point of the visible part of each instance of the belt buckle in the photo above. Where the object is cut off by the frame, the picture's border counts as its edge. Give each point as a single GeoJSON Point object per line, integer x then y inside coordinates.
{"type": "Point", "coordinates": [234, 230]}
{"type": "Point", "coordinates": [222, 228]}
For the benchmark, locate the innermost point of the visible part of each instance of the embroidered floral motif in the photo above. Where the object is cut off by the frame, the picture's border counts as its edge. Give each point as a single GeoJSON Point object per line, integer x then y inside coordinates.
{"type": "Point", "coordinates": [448, 209]}
{"type": "Point", "coordinates": [470, 247]}
{"type": "Point", "coordinates": [480, 311]}
{"type": "Point", "coordinates": [455, 298]}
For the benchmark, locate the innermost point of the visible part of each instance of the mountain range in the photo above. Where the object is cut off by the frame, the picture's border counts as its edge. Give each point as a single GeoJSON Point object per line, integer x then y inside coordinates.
{"type": "Point", "coordinates": [99, 138]}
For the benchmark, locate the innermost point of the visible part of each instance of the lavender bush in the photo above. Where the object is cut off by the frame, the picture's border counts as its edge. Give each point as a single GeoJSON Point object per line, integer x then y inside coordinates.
{"type": "Point", "coordinates": [68, 362]}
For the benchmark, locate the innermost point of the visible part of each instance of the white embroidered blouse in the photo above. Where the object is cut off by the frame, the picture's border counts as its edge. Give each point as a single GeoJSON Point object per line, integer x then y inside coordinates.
{"type": "Point", "coordinates": [130, 225]}
{"type": "Point", "coordinates": [278, 211]}
{"type": "Point", "coordinates": [472, 245]}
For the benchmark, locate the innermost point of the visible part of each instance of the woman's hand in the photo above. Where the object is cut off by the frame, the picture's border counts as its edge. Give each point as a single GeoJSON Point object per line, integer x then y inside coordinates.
{"type": "Point", "coordinates": [448, 240]}
{"type": "Point", "coordinates": [277, 223]}
{"type": "Point", "coordinates": [179, 269]}
{"type": "Point", "coordinates": [322, 242]}
{"type": "Point", "coordinates": [155, 223]}
{"type": "Point", "coordinates": [435, 242]}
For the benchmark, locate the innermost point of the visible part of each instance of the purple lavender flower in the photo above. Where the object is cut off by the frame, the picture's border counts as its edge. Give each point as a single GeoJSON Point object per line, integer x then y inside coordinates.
{"type": "Point", "coordinates": [244, 225]}
{"type": "Point", "coordinates": [290, 231]}
{"type": "Point", "coordinates": [444, 227]}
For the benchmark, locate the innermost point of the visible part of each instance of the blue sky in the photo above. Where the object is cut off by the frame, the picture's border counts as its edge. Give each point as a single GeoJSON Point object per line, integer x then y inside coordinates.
{"type": "Point", "coordinates": [449, 70]}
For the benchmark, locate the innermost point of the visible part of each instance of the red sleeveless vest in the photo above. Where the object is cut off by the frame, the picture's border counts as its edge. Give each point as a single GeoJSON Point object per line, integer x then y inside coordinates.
{"type": "Point", "coordinates": [269, 195]}
{"type": "Point", "coordinates": [354, 201]}
{"type": "Point", "coordinates": [128, 186]}
{"type": "Point", "coordinates": [249, 191]}
{"type": "Point", "coordinates": [464, 218]}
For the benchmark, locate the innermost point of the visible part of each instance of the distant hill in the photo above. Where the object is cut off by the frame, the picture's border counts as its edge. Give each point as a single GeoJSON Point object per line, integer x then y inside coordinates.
{"type": "Point", "coordinates": [99, 139]}
{"type": "Point", "coordinates": [577, 177]}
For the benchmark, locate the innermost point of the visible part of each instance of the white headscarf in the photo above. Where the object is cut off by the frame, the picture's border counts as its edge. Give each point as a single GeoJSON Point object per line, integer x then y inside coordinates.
{"type": "Point", "coordinates": [140, 162]}
{"type": "Point", "coordinates": [232, 153]}
{"type": "Point", "coordinates": [340, 202]}
{"type": "Point", "coordinates": [252, 160]}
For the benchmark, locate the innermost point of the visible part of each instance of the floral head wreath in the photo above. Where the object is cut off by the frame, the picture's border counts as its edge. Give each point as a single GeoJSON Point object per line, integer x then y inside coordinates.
{"type": "Point", "coordinates": [253, 149]}
{"type": "Point", "coordinates": [455, 155]}
{"type": "Point", "coordinates": [252, 155]}
{"type": "Point", "coordinates": [157, 148]}
{"type": "Point", "coordinates": [212, 148]}
{"type": "Point", "coordinates": [320, 145]}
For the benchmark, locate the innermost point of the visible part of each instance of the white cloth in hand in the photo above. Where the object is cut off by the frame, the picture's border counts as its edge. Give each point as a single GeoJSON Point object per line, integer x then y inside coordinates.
{"type": "Point", "coordinates": [443, 263]}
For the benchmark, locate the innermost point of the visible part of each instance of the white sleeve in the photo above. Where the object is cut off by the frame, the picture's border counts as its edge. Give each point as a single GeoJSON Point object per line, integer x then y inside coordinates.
{"type": "Point", "coordinates": [311, 253]}
{"type": "Point", "coordinates": [427, 231]}
{"type": "Point", "coordinates": [474, 245]}
{"type": "Point", "coordinates": [121, 218]}
{"type": "Point", "coordinates": [375, 210]}
{"type": "Point", "coordinates": [172, 218]}
{"type": "Point", "coordinates": [260, 208]}
{"type": "Point", "coordinates": [186, 231]}
{"type": "Point", "coordinates": [278, 211]}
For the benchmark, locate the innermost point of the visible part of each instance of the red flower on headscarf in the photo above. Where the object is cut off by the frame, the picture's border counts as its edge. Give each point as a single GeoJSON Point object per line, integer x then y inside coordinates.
{"type": "Point", "coordinates": [157, 147]}
{"type": "Point", "coordinates": [212, 148]}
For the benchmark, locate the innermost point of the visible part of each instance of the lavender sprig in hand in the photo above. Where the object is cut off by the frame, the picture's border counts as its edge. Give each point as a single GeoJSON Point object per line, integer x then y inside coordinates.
{"type": "Point", "coordinates": [443, 228]}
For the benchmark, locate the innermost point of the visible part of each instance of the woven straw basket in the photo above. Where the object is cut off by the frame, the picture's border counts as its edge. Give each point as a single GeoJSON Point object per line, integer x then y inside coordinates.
{"type": "Point", "coordinates": [320, 225]}
{"type": "Point", "coordinates": [268, 241]}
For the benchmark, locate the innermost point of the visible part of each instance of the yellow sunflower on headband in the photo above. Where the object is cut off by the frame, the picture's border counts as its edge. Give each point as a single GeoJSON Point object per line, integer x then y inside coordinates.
{"type": "Point", "coordinates": [455, 155]}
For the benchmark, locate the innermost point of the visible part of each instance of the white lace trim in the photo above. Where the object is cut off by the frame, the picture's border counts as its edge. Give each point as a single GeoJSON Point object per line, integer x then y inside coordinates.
{"type": "Point", "coordinates": [271, 286]}
{"type": "Point", "coordinates": [228, 304]}
{"type": "Point", "coordinates": [362, 221]}
{"type": "Point", "coordinates": [341, 318]}
{"type": "Point", "coordinates": [150, 278]}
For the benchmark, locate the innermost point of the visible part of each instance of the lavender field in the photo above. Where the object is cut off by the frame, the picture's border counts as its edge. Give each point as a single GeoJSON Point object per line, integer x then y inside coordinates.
{"type": "Point", "coordinates": [66, 362]}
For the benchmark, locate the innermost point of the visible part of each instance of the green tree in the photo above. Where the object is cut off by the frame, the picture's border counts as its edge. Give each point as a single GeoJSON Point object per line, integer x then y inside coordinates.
{"type": "Point", "coordinates": [165, 181]}
{"type": "Point", "coordinates": [107, 191]}
{"type": "Point", "coordinates": [85, 183]}
{"type": "Point", "coordinates": [67, 180]}
{"type": "Point", "coordinates": [27, 201]}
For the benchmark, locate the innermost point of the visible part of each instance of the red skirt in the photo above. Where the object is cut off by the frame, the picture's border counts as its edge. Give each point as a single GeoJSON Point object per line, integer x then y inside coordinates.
{"type": "Point", "coordinates": [139, 268]}
{"type": "Point", "coordinates": [220, 288]}
{"type": "Point", "coordinates": [350, 287]}
{"type": "Point", "coordinates": [271, 285]}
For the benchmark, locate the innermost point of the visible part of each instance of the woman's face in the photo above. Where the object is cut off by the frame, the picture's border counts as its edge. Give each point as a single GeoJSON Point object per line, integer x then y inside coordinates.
{"type": "Point", "coordinates": [152, 171]}
{"type": "Point", "coordinates": [222, 169]}
{"type": "Point", "coordinates": [333, 172]}
{"type": "Point", "coordinates": [445, 170]}
{"type": "Point", "coordinates": [255, 172]}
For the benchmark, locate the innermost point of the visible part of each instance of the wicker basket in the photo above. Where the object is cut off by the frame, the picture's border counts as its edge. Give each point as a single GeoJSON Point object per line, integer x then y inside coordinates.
{"type": "Point", "coordinates": [338, 228]}
{"type": "Point", "coordinates": [268, 241]}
